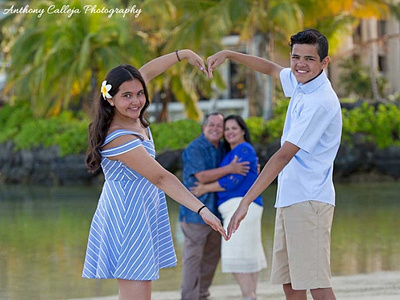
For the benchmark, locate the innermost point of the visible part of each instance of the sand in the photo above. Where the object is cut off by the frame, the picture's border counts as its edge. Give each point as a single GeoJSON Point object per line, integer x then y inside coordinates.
{"type": "Point", "coordinates": [374, 286]}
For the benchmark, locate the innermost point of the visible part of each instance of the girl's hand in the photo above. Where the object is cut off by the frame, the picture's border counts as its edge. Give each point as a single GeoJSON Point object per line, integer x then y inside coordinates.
{"type": "Point", "coordinates": [213, 221]}
{"type": "Point", "coordinates": [199, 189]}
{"type": "Point", "coordinates": [193, 59]}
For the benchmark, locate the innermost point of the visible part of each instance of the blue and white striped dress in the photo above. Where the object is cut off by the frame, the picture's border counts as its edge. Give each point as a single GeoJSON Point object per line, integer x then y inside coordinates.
{"type": "Point", "coordinates": [130, 235]}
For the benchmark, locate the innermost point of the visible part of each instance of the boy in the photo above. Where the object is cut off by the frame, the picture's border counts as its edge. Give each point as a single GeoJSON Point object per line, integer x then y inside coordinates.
{"type": "Point", "coordinates": [309, 144]}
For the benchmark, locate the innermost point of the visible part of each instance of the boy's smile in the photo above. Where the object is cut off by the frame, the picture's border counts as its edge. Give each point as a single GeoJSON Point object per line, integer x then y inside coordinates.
{"type": "Point", "coordinates": [305, 62]}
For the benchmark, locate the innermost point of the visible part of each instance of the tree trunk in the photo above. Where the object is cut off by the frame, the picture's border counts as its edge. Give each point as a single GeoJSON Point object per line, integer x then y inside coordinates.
{"type": "Point", "coordinates": [166, 98]}
{"type": "Point", "coordinates": [260, 87]}
{"type": "Point", "coordinates": [374, 83]}
{"type": "Point", "coordinates": [94, 91]}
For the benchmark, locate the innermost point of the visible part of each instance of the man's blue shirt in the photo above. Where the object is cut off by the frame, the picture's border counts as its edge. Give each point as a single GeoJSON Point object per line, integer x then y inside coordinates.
{"type": "Point", "coordinates": [200, 155]}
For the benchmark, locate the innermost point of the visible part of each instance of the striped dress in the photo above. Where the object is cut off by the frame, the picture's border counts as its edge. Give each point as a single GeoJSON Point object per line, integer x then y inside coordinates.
{"type": "Point", "coordinates": [130, 235]}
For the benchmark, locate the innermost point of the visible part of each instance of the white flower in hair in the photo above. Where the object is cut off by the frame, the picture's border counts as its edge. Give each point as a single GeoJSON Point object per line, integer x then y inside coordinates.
{"type": "Point", "coordinates": [104, 90]}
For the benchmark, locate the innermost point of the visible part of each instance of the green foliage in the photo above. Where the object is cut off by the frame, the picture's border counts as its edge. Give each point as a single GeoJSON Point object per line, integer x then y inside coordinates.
{"type": "Point", "coordinates": [262, 131]}
{"type": "Point", "coordinates": [69, 131]}
{"type": "Point", "coordinates": [356, 79]}
{"type": "Point", "coordinates": [257, 127]}
{"type": "Point", "coordinates": [66, 130]}
{"type": "Point", "coordinates": [275, 125]}
{"type": "Point", "coordinates": [175, 135]}
{"type": "Point", "coordinates": [57, 61]}
{"type": "Point", "coordinates": [11, 119]}
{"type": "Point", "coordinates": [380, 126]}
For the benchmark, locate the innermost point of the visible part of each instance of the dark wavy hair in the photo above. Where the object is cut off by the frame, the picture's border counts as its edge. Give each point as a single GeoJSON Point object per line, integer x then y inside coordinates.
{"type": "Point", "coordinates": [103, 112]}
{"type": "Point", "coordinates": [311, 37]}
{"type": "Point", "coordinates": [242, 125]}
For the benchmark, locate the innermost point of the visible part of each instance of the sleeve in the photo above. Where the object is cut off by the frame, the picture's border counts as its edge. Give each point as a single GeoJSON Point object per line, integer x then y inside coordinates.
{"type": "Point", "coordinates": [288, 82]}
{"type": "Point", "coordinates": [193, 160]}
{"type": "Point", "coordinates": [309, 127]}
{"type": "Point", "coordinates": [121, 149]}
{"type": "Point", "coordinates": [231, 181]}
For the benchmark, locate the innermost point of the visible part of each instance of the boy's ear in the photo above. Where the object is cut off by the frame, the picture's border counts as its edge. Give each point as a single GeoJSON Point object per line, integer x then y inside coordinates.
{"type": "Point", "coordinates": [325, 62]}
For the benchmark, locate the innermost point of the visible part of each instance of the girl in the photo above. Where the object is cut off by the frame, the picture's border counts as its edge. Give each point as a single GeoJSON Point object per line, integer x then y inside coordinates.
{"type": "Point", "coordinates": [130, 237]}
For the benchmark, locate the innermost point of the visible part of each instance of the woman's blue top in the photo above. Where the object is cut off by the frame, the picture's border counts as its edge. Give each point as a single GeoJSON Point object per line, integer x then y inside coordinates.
{"type": "Point", "coordinates": [236, 185]}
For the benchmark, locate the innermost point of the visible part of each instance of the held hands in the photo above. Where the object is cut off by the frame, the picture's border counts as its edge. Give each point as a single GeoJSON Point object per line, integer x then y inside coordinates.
{"type": "Point", "coordinates": [213, 221]}
{"type": "Point", "coordinates": [212, 62]}
{"type": "Point", "coordinates": [193, 59]}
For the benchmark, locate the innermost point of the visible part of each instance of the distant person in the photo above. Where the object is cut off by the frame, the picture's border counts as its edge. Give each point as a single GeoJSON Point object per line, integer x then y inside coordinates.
{"type": "Point", "coordinates": [309, 144]}
{"type": "Point", "coordinates": [243, 255]}
{"type": "Point", "coordinates": [130, 237]}
{"type": "Point", "coordinates": [202, 246]}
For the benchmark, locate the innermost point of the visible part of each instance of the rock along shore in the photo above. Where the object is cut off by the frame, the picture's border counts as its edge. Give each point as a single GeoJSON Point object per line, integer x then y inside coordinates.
{"type": "Point", "coordinates": [44, 166]}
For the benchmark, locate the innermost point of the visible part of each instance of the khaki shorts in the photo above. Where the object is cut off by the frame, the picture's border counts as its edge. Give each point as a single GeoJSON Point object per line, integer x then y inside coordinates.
{"type": "Point", "coordinates": [301, 254]}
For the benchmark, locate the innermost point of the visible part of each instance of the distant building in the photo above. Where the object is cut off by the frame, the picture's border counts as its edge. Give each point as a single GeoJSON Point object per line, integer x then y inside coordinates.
{"type": "Point", "coordinates": [377, 44]}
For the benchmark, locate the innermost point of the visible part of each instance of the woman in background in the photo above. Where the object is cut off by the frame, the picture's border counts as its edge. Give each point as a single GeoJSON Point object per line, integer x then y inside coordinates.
{"type": "Point", "coordinates": [243, 255]}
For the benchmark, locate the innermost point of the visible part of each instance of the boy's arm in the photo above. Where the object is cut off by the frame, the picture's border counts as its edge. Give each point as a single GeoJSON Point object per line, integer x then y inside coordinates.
{"type": "Point", "coordinates": [160, 64]}
{"type": "Point", "coordinates": [253, 62]}
{"type": "Point", "coordinates": [270, 171]}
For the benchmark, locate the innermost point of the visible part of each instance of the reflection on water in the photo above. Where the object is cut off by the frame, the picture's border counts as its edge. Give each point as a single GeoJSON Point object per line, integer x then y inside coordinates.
{"type": "Point", "coordinates": [43, 235]}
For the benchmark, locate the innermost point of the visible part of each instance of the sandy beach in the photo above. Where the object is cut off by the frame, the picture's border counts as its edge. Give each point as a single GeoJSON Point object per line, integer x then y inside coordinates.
{"type": "Point", "coordinates": [374, 286]}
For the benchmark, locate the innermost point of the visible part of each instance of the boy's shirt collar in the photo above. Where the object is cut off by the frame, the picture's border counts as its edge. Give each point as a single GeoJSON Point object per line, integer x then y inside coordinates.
{"type": "Point", "coordinates": [314, 84]}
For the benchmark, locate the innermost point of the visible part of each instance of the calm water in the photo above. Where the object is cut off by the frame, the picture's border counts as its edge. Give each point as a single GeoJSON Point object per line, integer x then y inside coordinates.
{"type": "Point", "coordinates": [43, 234]}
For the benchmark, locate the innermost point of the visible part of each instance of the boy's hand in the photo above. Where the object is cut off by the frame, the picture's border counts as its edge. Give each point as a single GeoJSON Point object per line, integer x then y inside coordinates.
{"type": "Point", "coordinates": [237, 217]}
{"type": "Point", "coordinates": [214, 61]}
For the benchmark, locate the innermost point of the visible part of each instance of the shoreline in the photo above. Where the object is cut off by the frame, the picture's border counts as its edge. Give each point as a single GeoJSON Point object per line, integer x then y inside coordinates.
{"type": "Point", "coordinates": [383, 285]}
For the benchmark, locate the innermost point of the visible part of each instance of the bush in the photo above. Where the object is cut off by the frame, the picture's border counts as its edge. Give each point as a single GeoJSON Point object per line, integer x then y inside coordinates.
{"type": "Point", "coordinates": [66, 130]}
{"type": "Point", "coordinates": [275, 125]}
{"type": "Point", "coordinates": [380, 125]}
{"type": "Point", "coordinates": [257, 127]}
{"type": "Point", "coordinates": [174, 135]}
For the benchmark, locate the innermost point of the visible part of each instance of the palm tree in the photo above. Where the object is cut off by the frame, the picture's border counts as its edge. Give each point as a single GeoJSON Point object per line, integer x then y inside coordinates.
{"type": "Point", "coordinates": [268, 24]}
{"type": "Point", "coordinates": [56, 62]}
{"type": "Point", "coordinates": [163, 26]}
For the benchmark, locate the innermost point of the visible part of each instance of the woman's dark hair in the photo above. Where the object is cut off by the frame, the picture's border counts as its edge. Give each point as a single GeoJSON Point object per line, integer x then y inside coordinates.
{"type": "Point", "coordinates": [103, 112]}
{"type": "Point", "coordinates": [311, 37]}
{"type": "Point", "coordinates": [242, 125]}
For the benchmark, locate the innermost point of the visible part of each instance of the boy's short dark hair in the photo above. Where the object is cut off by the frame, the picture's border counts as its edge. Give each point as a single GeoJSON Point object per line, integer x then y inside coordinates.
{"type": "Point", "coordinates": [311, 37]}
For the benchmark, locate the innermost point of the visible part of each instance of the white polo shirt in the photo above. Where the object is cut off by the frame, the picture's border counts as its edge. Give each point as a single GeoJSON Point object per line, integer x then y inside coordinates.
{"type": "Point", "coordinates": [314, 124]}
